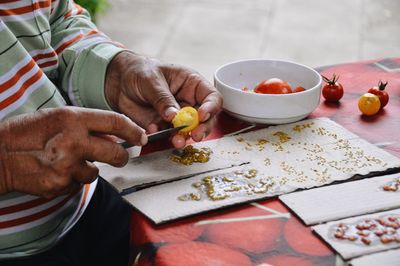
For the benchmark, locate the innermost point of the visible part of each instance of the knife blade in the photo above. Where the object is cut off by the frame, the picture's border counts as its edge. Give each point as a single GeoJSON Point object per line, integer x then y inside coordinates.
{"type": "Point", "coordinates": [162, 134]}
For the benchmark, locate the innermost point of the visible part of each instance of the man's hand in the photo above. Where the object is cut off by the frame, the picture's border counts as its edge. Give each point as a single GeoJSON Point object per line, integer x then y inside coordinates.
{"type": "Point", "coordinates": [150, 93]}
{"type": "Point", "coordinates": [48, 153]}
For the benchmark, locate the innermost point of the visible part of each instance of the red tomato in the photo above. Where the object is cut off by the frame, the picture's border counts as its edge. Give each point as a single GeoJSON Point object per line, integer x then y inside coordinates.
{"type": "Point", "coordinates": [299, 89]}
{"type": "Point", "coordinates": [332, 90]}
{"type": "Point", "coordinates": [381, 93]}
{"type": "Point", "coordinates": [273, 86]}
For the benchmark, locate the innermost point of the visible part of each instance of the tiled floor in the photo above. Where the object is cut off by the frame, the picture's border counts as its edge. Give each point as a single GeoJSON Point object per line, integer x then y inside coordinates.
{"type": "Point", "coordinates": [204, 34]}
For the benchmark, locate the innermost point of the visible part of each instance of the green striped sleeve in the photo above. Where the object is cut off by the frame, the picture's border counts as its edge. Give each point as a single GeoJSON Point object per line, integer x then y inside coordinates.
{"type": "Point", "coordinates": [84, 54]}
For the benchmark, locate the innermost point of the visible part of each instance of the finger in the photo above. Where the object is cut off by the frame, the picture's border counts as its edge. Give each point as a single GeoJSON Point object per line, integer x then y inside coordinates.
{"type": "Point", "coordinates": [140, 113]}
{"type": "Point", "coordinates": [107, 137]}
{"type": "Point", "coordinates": [201, 131]}
{"type": "Point", "coordinates": [194, 89]}
{"type": "Point", "coordinates": [206, 95]}
{"type": "Point", "coordinates": [152, 128]}
{"type": "Point", "coordinates": [156, 91]}
{"type": "Point", "coordinates": [101, 150]}
{"type": "Point", "coordinates": [107, 122]}
{"type": "Point", "coordinates": [178, 141]}
{"type": "Point", "coordinates": [210, 106]}
{"type": "Point", "coordinates": [86, 173]}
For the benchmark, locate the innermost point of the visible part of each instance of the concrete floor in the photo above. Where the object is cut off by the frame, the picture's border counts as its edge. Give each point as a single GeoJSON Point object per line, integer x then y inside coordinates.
{"type": "Point", "coordinates": [204, 34]}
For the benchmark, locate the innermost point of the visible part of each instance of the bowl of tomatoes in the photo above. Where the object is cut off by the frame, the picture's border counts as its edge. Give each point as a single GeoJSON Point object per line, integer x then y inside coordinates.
{"type": "Point", "coordinates": [268, 91]}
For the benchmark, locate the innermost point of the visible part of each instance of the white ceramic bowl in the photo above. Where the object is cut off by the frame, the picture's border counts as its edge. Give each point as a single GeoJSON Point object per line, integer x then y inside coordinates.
{"type": "Point", "coordinates": [229, 79]}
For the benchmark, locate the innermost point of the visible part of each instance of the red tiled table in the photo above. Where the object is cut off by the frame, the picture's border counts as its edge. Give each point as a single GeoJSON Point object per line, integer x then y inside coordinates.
{"type": "Point", "coordinates": [278, 240]}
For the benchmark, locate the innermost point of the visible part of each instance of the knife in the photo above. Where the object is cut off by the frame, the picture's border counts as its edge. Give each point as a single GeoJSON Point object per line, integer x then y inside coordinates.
{"type": "Point", "coordinates": [162, 134]}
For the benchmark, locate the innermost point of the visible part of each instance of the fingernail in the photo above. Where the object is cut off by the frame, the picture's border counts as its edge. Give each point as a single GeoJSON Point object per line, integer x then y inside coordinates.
{"type": "Point", "coordinates": [170, 112]}
{"type": "Point", "coordinates": [143, 139]}
{"type": "Point", "coordinates": [206, 117]}
{"type": "Point", "coordinates": [179, 143]}
{"type": "Point", "coordinates": [200, 136]}
{"type": "Point", "coordinates": [152, 128]}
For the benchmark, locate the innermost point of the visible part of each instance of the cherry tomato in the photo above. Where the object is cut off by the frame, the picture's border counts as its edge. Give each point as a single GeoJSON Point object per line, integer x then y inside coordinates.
{"type": "Point", "coordinates": [381, 93]}
{"type": "Point", "coordinates": [332, 90]}
{"type": "Point", "coordinates": [369, 104]}
{"type": "Point", "coordinates": [299, 89]}
{"type": "Point", "coordinates": [186, 116]}
{"type": "Point", "coordinates": [273, 86]}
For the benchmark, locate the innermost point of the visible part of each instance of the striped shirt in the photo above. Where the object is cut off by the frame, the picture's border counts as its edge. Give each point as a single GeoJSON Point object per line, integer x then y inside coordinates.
{"type": "Point", "coordinates": [50, 53]}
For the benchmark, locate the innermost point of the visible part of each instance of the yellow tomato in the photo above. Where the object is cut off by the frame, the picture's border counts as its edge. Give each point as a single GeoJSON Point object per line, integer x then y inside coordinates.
{"type": "Point", "coordinates": [369, 104]}
{"type": "Point", "coordinates": [188, 117]}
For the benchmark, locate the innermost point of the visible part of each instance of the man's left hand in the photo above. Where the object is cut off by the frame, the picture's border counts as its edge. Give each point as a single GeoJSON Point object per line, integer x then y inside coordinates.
{"type": "Point", "coordinates": [150, 93]}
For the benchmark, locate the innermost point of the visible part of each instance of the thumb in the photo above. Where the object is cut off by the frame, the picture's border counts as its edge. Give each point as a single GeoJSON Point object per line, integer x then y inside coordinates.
{"type": "Point", "coordinates": [161, 98]}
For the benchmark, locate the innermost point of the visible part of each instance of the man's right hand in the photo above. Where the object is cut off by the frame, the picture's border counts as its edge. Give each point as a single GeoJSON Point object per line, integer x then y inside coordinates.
{"type": "Point", "coordinates": [49, 152]}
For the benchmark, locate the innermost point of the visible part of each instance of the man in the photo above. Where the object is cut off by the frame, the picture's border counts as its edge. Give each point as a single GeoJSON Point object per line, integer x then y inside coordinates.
{"type": "Point", "coordinates": [53, 208]}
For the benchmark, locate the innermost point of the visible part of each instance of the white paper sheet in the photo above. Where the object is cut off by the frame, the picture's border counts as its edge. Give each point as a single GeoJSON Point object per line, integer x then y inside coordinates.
{"type": "Point", "coordinates": [295, 156]}
{"type": "Point", "coordinates": [161, 204]}
{"type": "Point", "coordinates": [157, 167]}
{"type": "Point", "coordinates": [343, 200]}
{"type": "Point", "coordinates": [348, 249]}
{"type": "Point", "coordinates": [386, 258]}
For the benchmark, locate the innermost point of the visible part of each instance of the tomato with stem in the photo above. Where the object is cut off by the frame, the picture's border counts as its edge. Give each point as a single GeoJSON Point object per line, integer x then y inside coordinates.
{"type": "Point", "coordinates": [381, 93]}
{"type": "Point", "coordinates": [332, 90]}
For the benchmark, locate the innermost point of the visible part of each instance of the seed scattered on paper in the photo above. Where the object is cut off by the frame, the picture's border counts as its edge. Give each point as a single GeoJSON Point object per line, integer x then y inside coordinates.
{"type": "Point", "coordinates": [299, 128]}
{"type": "Point", "coordinates": [393, 186]}
{"type": "Point", "coordinates": [283, 137]}
{"type": "Point", "coordinates": [192, 155]}
{"type": "Point", "coordinates": [313, 163]}
{"type": "Point", "coordinates": [368, 232]}
{"type": "Point", "coordinates": [229, 185]}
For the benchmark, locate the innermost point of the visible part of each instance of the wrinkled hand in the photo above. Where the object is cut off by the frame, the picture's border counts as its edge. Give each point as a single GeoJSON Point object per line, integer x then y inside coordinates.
{"type": "Point", "coordinates": [48, 153]}
{"type": "Point", "coordinates": [150, 93]}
